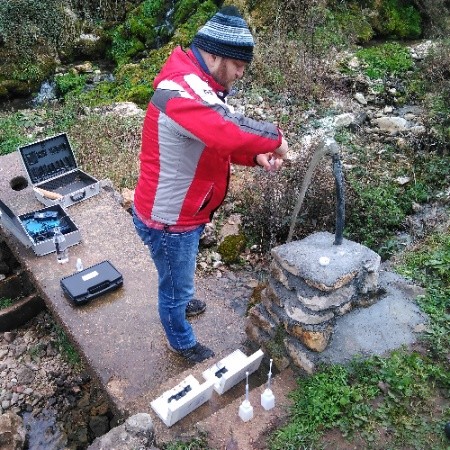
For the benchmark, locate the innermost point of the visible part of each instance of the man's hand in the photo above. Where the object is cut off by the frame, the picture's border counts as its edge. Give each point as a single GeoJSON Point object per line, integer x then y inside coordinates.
{"type": "Point", "coordinates": [272, 161]}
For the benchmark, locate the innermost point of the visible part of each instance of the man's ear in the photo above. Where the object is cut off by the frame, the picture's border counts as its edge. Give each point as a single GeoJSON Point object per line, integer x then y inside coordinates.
{"type": "Point", "coordinates": [209, 58]}
{"type": "Point", "coordinates": [212, 59]}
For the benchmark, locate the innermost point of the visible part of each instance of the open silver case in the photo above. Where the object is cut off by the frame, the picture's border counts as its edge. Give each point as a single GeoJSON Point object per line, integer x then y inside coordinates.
{"type": "Point", "coordinates": [36, 229]}
{"type": "Point", "coordinates": [54, 174]}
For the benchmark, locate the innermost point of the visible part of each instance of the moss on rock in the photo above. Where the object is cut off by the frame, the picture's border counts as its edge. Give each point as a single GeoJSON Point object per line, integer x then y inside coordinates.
{"type": "Point", "coordinates": [231, 248]}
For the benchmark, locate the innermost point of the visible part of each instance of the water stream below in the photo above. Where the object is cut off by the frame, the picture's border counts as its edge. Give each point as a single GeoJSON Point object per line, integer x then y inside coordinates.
{"type": "Point", "coordinates": [43, 431]}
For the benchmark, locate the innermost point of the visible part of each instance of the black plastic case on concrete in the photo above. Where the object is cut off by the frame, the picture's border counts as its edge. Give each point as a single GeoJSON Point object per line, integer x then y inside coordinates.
{"type": "Point", "coordinates": [97, 280]}
{"type": "Point", "coordinates": [51, 167]}
{"type": "Point", "coordinates": [35, 229]}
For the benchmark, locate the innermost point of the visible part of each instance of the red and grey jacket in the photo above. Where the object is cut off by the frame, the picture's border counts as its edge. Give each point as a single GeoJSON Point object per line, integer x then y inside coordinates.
{"type": "Point", "coordinates": [189, 139]}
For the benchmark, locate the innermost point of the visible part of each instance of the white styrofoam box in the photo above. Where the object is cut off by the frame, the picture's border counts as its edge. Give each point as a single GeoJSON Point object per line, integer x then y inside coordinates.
{"type": "Point", "coordinates": [182, 399]}
{"type": "Point", "coordinates": [232, 369]}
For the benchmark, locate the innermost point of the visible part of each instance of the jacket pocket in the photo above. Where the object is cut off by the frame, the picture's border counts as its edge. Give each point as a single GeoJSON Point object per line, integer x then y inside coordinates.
{"type": "Point", "coordinates": [206, 199]}
{"type": "Point", "coordinates": [197, 198]}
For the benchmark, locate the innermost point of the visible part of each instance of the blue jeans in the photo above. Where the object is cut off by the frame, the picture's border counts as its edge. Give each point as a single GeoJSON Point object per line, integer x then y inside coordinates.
{"type": "Point", "coordinates": [175, 257]}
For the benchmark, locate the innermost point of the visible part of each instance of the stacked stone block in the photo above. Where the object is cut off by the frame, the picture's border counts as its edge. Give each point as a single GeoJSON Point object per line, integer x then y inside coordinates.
{"type": "Point", "coordinates": [312, 283]}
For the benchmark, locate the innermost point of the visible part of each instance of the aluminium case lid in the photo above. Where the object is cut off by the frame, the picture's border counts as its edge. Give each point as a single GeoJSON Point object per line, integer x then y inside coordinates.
{"type": "Point", "coordinates": [12, 223]}
{"type": "Point", "coordinates": [48, 158]}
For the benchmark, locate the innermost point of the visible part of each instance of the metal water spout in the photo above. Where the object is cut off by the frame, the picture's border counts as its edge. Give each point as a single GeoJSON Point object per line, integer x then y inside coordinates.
{"type": "Point", "coordinates": [327, 146]}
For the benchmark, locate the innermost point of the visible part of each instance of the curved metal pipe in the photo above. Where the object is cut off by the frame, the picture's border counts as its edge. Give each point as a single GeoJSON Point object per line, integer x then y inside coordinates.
{"type": "Point", "coordinates": [326, 146]}
{"type": "Point", "coordinates": [340, 199]}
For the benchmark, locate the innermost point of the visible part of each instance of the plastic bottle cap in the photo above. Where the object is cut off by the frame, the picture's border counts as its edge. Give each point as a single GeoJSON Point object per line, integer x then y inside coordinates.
{"type": "Point", "coordinates": [324, 260]}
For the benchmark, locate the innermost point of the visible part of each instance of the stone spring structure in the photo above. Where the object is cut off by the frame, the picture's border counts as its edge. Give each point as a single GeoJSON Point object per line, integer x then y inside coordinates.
{"type": "Point", "coordinates": [312, 284]}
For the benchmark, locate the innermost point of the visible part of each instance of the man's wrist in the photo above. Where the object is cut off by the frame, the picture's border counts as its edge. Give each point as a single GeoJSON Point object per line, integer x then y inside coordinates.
{"type": "Point", "coordinates": [280, 152]}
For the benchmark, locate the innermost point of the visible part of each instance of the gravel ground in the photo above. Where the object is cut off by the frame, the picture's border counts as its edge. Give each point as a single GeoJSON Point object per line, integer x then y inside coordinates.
{"type": "Point", "coordinates": [61, 406]}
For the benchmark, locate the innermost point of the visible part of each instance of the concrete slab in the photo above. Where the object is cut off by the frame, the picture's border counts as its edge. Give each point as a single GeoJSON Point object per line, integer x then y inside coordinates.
{"type": "Point", "coordinates": [393, 321]}
{"type": "Point", "coordinates": [119, 335]}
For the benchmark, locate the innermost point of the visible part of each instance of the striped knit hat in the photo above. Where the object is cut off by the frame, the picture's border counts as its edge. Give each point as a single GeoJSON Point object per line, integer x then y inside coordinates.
{"type": "Point", "coordinates": [226, 34]}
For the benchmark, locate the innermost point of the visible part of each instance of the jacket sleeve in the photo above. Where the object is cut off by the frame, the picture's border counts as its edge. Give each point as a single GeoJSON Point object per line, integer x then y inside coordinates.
{"type": "Point", "coordinates": [211, 121]}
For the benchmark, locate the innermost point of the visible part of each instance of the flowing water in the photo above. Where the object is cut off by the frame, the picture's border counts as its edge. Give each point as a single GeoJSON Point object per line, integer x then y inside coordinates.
{"type": "Point", "coordinates": [43, 431]}
{"type": "Point", "coordinates": [326, 146]}
{"type": "Point", "coordinates": [46, 93]}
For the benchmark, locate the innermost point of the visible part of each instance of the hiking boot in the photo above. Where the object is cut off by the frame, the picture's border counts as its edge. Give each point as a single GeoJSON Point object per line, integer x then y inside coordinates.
{"type": "Point", "coordinates": [195, 307]}
{"type": "Point", "coordinates": [195, 354]}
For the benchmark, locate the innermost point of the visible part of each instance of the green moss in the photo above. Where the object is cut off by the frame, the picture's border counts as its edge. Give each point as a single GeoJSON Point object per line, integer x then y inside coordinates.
{"type": "Point", "coordinates": [139, 32]}
{"type": "Point", "coordinates": [186, 31]}
{"type": "Point", "coordinates": [5, 303]}
{"type": "Point", "coordinates": [231, 248]}
{"type": "Point", "coordinates": [138, 94]}
{"type": "Point", "coordinates": [399, 20]}
{"type": "Point", "coordinates": [123, 48]}
{"type": "Point", "coordinates": [275, 346]}
{"type": "Point", "coordinates": [341, 26]}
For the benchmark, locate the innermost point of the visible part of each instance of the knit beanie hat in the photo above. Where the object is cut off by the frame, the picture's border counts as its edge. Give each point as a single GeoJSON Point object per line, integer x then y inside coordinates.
{"type": "Point", "coordinates": [226, 34]}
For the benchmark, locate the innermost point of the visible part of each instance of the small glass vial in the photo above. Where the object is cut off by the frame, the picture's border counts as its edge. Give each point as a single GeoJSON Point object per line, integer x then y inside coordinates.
{"type": "Point", "coordinates": [79, 265]}
{"type": "Point", "coordinates": [62, 252]}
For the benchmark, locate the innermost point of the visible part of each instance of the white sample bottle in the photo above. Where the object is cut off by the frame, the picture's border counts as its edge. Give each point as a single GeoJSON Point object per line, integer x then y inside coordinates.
{"type": "Point", "coordinates": [246, 409]}
{"type": "Point", "coordinates": [62, 252]}
{"type": "Point", "coordinates": [267, 397]}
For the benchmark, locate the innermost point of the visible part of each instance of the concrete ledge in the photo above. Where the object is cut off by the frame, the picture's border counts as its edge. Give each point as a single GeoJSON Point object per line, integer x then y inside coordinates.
{"type": "Point", "coordinates": [20, 312]}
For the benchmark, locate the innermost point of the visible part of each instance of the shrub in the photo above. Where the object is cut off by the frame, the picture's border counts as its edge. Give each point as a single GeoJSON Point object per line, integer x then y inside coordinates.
{"type": "Point", "coordinates": [399, 20]}
{"type": "Point", "coordinates": [268, 201]}
{"type": "Point", "coordinates": [69, 82]}
{"type": "Point", "coordinates": [436, 72]}
{"type": "Point", "coordinates": [387, 59]}
{"type": "Point", "coordinates": [5, 302]}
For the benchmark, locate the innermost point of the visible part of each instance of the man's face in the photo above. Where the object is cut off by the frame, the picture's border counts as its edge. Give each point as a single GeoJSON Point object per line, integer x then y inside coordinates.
{"type": "Point", "coordinates": [226, 71]}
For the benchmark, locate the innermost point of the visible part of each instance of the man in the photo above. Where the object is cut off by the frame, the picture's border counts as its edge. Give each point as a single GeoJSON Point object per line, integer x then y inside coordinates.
{"type": "Point", "coordinates": [190, 137]}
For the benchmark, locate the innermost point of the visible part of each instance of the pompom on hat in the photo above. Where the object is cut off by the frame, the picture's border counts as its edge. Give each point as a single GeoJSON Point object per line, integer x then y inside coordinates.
{"type": "Point", "coordinates": [226, 34]}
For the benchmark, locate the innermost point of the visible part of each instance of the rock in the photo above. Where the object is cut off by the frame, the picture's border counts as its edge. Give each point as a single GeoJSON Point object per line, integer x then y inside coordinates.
{"type": "Point", "coordinates": [209, 235]}
{"type": "Point", "coordinates": [9, 336]}
{"type": "Point", "coordinates": [127, 198]}
{"type": "Point", "coordinates": [25, 375]}
{"type": "Point", "coordinates": [343, 120]}
{"type": "Point", "coordinates": [12, 432]}
{"type": "Point", "coordinates": [136, 432]}
{"type": "Point", "coordinates": [84, 68]}
{"type": "Point", "coordinates": [299, 356]}
{"type": "Point", "coordinates": [298, 315]}
{"type": "Point", "coordinates": [402, 180]}
{"type": "Point", "coordinates": [126, 109]}
{"type": "Point", "coordinates": [391, 125]}
{"type": "Point", "coordinates": [360, 98]}
{"type": "Point", "coordinates": [231, 227]}
{"type": "Point", "coordinates": [316, 341]}
{"type": "Point", "coordinates": [334, 299]}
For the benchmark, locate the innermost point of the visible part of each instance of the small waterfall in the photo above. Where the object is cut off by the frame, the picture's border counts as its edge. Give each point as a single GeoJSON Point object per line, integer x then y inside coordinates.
{"type": "Point", "coordinates": [46, 93]}
{"type": "Point", "coordinates": [166, 29]}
